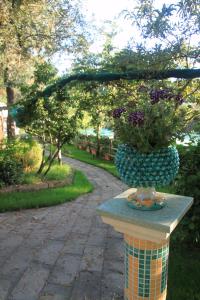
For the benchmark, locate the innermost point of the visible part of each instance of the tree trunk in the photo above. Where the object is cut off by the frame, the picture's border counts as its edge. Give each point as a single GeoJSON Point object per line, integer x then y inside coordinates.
{"type": "Point", "coordinates": [51, 162]}
{"type": "Point", "coordinates": [98, 141]}
{"type": "Point", "coordinates": [60, 157]}
{"type": "Point", "coordinates": [42, 164]}
{"type": "Point", "coordinates": [53, 157]}
{"type": "Point", "coordinates": [10, 121]}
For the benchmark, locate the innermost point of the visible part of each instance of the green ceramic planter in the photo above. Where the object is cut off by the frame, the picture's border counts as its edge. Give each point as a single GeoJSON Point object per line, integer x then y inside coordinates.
{"type": "Point", "coordinates": [137, 169]}
{"type": "Point", "coordinates": [141, 170]}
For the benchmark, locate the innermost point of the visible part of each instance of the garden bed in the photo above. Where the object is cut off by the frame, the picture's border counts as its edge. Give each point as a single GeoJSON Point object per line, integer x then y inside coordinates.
{"type": "Point", "coordinates": [39, 185]}
{"type": "Point", "coordinates": [46, 197]}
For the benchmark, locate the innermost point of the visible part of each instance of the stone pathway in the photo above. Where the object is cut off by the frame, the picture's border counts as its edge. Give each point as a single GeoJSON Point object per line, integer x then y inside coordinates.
{"type": "Point", "coordinates": [63, 252]}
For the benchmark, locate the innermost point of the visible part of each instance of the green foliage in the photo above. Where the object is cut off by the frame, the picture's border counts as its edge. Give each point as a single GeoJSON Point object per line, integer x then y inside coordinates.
{"type": "Point", "coordinates": [11, 171]}
{"type": "Point", "coordinates": [88, 142]}
{"type": "Point", "coordinates": [31, 178]}
{"type": "Point", "coordinates": [29, 152]}
{"type": "Point", "coordinates": [47, 197]}
{"type": "Point", "coordinates": [184, 267]}
{"type": "Point", "coordinates": [58, 172]}
{"type": "Point", "coordinates": [34, 27]}
{"type": "Point", "coordinates": [152, 118]}
{"type": "Point", "coordinates": [173, 27]}
{"type": "Point", "coordinates": [44, 73]}
{"type": "Point", "coordinates": [18, 156]}
{"type": "Point", "coordinates": [188, 184]}
{"type": "Point", "coordinates": [54, 120]}
{"type": "Point", "coordinates": [84, 156]}
{"type": "Point", "coordinates": [25, 150]}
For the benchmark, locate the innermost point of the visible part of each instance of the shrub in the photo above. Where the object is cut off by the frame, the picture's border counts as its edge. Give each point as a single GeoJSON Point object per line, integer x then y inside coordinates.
{"type": "Point", "coordinates": [188, 184]}
{"type": "Point", "coordinates": [25, 150]}
{"type": "Point", "coordinates": [29, 152]}
{"type": "Point", "coordinates": [17, 156]}
{"type": "Point", "coordinates": [11, 171]}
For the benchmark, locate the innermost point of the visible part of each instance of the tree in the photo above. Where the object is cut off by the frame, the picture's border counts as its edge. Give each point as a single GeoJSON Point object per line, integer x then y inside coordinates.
{"type": "Point", "coordinates": [95, 97]}
{"type": "Point", "coordinates": [96, 100]}
{"type": "Point", "coordinates": [32, 28]}
{"type": "Point", "coordinates": [173, 26]}
{"type": "Point", "coordinates": [53, 121]}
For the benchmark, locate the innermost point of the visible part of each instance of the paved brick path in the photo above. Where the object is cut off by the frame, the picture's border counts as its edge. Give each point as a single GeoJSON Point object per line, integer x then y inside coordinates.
{"type": "Point", "coordinates": [63, 252]}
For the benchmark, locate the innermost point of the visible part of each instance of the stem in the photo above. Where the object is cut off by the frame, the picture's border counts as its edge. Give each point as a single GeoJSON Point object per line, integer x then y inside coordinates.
{"type": "Point", "coordinates": [98, 141]}
{"type": "Point", "coordinates": [60, 158]}
{"type": "Point", "coordinates": [42, 162]}
{"type": "Point", "coordinates": [51, 162]}
{"type": "Point", "coordinates": [10, 120]}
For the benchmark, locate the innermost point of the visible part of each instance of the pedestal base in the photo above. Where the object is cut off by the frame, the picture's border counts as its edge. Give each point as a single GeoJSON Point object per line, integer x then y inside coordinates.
{"type": "Point", "coordinates": [146, 265]}
{"type": "Point", "coordinates": [146, 235]}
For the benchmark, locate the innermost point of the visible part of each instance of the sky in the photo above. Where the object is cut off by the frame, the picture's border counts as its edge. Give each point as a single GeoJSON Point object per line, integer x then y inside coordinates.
{"type": "Point", "coordinates": [98, 12]}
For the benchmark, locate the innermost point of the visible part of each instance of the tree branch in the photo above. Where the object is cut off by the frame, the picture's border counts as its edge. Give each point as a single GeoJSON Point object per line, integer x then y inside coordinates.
{"type": "Point", "coordinates": [106, 77]}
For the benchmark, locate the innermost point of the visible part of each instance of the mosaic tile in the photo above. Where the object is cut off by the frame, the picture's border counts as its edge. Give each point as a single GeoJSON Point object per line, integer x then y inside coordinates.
{"type": "Point", "coordinates": [145, 269]}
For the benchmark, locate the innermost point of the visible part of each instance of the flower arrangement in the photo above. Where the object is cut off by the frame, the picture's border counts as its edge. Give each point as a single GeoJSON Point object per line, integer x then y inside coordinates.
{"type": "Point", "coordinates": [153, 119]}
{"type": "Point", "coordinates": [147, 124]}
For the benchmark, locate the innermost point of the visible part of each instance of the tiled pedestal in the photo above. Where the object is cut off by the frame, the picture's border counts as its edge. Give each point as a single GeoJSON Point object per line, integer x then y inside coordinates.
{"type": "Point", "coordinates": [145, 269]}
{"type": "Point", "coordinates": [146, 239]}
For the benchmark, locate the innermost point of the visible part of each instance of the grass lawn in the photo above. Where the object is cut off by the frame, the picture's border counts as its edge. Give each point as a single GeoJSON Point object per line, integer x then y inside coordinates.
{"type": "Point", "coordinates": [56, 173]}
{"type": "Point", "coordinates": [47, 197]}
{"type": "Point", "coordinates": [184, 273]}
{"type": "Point", "coordinates": [73, 152]}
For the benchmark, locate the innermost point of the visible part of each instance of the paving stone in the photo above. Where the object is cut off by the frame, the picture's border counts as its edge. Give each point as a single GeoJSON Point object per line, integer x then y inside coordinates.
{"type": "Point", "coordinates": [61, 232]}
{"type": "Point", "coordinates": [97, 237]}
{"type": "Point", "coordinates": [31, 283]}
{"type": "Point", "coordinates": [41, 232]}
{"type": "Point", "coordinates": [114, 249]}
{"type": "Point", "coordinates": [114, 234]}
{"type": "Point", "coordinates": [87, 286]}
{"type": "Point", "coordinates": [112, 286]}
{"type": "Point", "coordinates": [116, 266]}
{"type": "Point", "coordinates": [22, 230]}
{"type": "Point", "coordinates": [82, 225]}
{"type": "Point", "coordinates": [4, 231]}
{"type": "Point", "coordinates": [4, 288]}
{"type": "Point", "coordinates": [16, 264]}
{"type": "Point", "coordinates": [75, 244]}
{"type": "Point", "coordinates": [65, 270]}
{"type": "Point", "coordinates": [87, 212]}
{"type": "Point", "coordinates": [52, 297]}
{"type": "Point", "coordinates": [55, 292]}
{"type": "Point", "coordinates": [35, 242]}
{"type": "Point", "coordinates": [97, 222]}
{"type": "Point", "coordinates": [64, 252]}
{"type": "Point", "coordinates": [10, 242]}
{"type": "Point", "coordinates": [92, 259]}
{"type": "Point", "coordinates": [50, 252]}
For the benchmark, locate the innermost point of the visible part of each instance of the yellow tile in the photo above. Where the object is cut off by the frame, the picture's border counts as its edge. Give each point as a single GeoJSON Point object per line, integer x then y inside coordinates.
{"type": "Point", "coordinates": [135, 287]}
{"type": "Point", "coordinates": [152, 284]}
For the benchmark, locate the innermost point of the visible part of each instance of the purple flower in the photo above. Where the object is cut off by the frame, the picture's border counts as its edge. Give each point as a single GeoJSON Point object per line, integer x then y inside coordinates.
{"type": "Point", "coordinates": [136, 118]}
{"type": "Point", "coordinates": [154, 95]}
{"type": "Point", "coordinates": [157, 95]}
{"type": "Point", "coordinates": [117, 112]}
{"type": "Point", "coordinates": [179, 99]}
